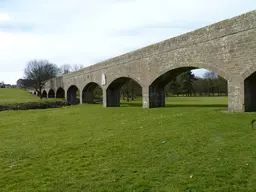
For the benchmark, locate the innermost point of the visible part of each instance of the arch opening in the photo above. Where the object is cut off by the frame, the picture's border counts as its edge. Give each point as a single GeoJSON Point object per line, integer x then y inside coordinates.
{"type": "Point", "coordinates": [92, 93]}
{"type": "Point", "coordinates": [44, 94]}
{"type": "Point", "coordinates": [186, 81]}
{"type": "Point", "coordinates": [60, 93]}
{"type": "Point", "coordinates": [250, 93]}
{"type": "Point", "coordinates": [126, 87]}
{"type": "Point", "coordinates": [51, 94]}
{"type": "Point", "coordinates": [72, 95]}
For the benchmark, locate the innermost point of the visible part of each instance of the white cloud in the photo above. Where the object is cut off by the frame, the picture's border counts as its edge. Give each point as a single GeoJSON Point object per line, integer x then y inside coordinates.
{"type": "Point", "coordinates": [4, 17]}
{"type": "Point", "coordinates": [90, 31]}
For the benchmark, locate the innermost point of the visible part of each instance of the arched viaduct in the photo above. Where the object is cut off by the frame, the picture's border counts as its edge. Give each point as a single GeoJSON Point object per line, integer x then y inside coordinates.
{"type": "Point", "coordinates": [227, 48]}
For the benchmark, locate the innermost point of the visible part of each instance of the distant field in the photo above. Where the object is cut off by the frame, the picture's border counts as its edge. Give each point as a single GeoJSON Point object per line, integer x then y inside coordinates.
{"type": "Point", "coordinates": [188, 146]}
{"type": "Point", "coordinates": [217, 101]}
{"type": "Point", "coordinates": [12, 95]}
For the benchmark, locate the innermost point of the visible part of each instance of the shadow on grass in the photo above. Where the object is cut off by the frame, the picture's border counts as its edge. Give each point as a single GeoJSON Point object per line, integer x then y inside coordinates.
{"type": "Point", "coordinates": [196, 105]}
{"type": "Point", "coordinates": [130, 104]}
{"type": "Point", "coordinates": [176, 105]}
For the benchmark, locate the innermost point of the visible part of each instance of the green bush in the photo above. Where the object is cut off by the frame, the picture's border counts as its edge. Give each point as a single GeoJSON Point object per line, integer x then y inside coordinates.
{"type": "Point", "coordinates": [33, 105]}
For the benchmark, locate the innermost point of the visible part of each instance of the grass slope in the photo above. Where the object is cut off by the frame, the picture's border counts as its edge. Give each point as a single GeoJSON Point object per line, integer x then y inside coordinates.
{"type": "Point", "coordinates": [91, 148]}
{"type": "Point", "coordinates": [13, 95]}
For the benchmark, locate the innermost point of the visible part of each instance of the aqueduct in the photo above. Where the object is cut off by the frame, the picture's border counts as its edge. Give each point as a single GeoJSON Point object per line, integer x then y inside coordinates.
{"type": "Point", "coordinates": [227, 48]}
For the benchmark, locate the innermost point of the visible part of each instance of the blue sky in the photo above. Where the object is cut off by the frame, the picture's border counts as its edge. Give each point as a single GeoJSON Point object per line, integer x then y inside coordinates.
{"type": "Point", "coordinates": [89, 31]}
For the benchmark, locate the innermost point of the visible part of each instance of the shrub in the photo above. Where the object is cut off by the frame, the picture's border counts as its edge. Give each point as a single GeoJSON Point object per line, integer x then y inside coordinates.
{"type": "Point", "coordinates": [34, 105]}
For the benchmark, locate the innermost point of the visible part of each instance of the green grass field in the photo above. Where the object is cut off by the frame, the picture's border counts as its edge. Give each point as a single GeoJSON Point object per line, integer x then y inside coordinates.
{"type": "Point", "coordinates": [188, 146]}
{"type": "Point", "coordinates": [11, 95]}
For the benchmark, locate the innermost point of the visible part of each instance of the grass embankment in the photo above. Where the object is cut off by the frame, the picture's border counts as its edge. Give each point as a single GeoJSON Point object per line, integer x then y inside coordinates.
{"type": "Point", "coordinates": [18, 99]}
{"type": "Point", "coordinates": [91, 148]}
{"type": "Point", "coordinates": [12, 95]}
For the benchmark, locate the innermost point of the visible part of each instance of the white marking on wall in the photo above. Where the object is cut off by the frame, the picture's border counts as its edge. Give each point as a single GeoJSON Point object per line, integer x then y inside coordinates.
{"type": "Point", "coordinates": [103, 79]}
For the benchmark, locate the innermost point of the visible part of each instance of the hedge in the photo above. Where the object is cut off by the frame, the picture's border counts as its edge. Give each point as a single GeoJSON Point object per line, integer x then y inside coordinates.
{"type": "Point", "coordinates": [33, 105]}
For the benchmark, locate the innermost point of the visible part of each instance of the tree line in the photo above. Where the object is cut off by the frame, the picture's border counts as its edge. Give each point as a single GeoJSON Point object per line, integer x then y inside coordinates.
{"type": "Point", "coordinates": [185, 84]}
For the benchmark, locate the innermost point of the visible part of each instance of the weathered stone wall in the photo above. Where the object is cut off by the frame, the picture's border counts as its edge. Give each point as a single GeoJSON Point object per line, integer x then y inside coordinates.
{"type": "Point", "coordinates": [227, 48]}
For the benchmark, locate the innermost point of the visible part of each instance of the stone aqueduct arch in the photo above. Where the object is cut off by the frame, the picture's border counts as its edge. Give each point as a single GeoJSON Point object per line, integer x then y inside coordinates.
{"type": "Point", "coordinates": [113, 91]}
{"type": "Point", "coordinates": [227, 48]}
{"type": "Point", "coordinates": [87, 92]}
{"type": "Point", "coordinates": [60, 93]}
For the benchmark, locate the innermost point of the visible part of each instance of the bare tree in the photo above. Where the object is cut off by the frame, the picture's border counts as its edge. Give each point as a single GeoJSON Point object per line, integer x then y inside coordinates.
{"type": "Point", "coordinates": [77, 67]}
{"type": "Point", "coordinates": [211, 76]}
{"type": "Point", "coordinates": [64, 69]}
{"type": "Point", "coordinates": [39, 71]}
{"type": "Point", "coordinates": [130, 90]}
{"type": "Point", "coordinates": [67, 68]}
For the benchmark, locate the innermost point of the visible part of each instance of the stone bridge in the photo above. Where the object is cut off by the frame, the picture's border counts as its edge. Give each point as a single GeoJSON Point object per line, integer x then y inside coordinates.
{"type": "Point", "coordinates": [227, 48]}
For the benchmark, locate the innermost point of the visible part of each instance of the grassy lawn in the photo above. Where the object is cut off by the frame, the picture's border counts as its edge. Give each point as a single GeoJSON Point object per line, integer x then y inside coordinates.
{"type": "Point", "coordinates": [186, 102]}
{"type": "Point", "coordinates": [188, 146]}
{"type": "Point", "coordinates": [12, 95]}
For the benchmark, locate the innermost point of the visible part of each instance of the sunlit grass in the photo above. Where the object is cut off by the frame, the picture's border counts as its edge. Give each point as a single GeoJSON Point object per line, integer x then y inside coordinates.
{"type": "Point", "coordinates": [13, 95]}
{"type": "Point", "coordinates": [188, 146]}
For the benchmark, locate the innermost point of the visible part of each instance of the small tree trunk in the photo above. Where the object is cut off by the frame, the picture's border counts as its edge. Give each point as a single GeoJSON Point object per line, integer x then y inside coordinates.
{"type": "Point", "coordinates": [123, 96]}
{"type": "Point", "coordinates": [40, 93]}
{"type": "Point", "coordinates": [128, 97]}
